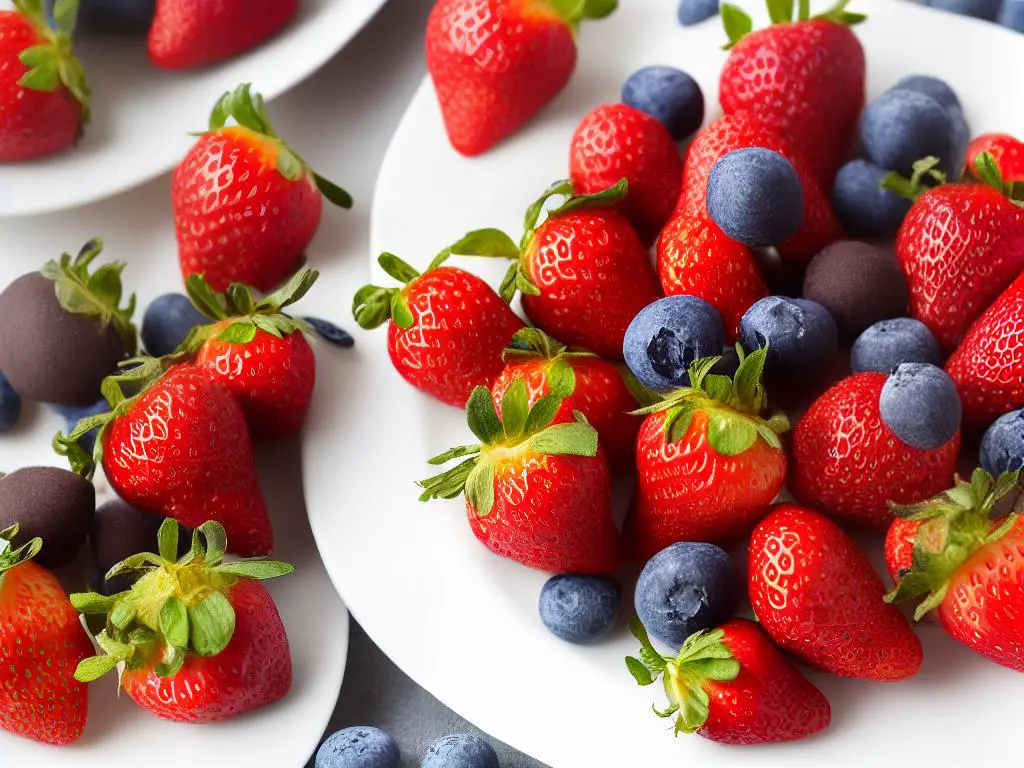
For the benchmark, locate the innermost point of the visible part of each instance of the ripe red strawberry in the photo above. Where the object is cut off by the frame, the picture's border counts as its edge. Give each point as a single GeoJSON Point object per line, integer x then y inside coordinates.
{"type": "Point", "coordinates": [804, 78]}
{"type": "Point", "coordinates": [201, 640]}
{"type": "Point", "coordinates": [709, 460]}
{"type": "Point", "coordinates": [447, 330]}
{"type": "Point", "coordinates": [616, 142]}
{"type": "Point", "coordinates": [496, 63]}
{"type": "Point", "coordinates": [536, 492]}
{"type": "Point", "coordinates": [732, 685]}
{"type": "Point", "coordinates": [41, 643]}
{"type": "Point", "coordinates": [899, 547]}
{"type": "Point", "coordinates": [849, 464]}
{"type": "Point", "coordinates": [245, 204]}
{"type": "Point", "coordinates": [44, 95]}
{"type": "Point", "coordinates": [819, 599]}
{"type": "Point", "coordinates": [1006, 151]}
{"type": "Point", "coordinates": [594, 387]}
{"type": "Point", "coordinates": [196, 33]}
{"type": "Point", "coordinates": [583, 272]}
{"type": "Point", "coordinates": [988, 366]}
{"type": "Point", "coordinates": [176, 444]}
{"type": "Point", "coordinates": [969, 568]}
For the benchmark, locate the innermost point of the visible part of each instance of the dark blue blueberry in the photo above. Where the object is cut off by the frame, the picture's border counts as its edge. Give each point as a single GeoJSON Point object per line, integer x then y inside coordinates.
{"type": "Point", "coordinates": [667, 336]}
{"type": "Point", "coordinates": [359, 747]}
{"type": "Point", "coordinates": [579, 609]}
{"type": "Point", "coordinates": [801, 335]}
{"type": "Point", "coordinates": [331, 333]}
{"type": "Point", "coordinates": [167, 322]}
{"type": "Point", "coordinates": [113, 16]}
{"type": "Point", "coordinates": [979, 9]}
{"type": "Point", "coordinates": [901, 127]}
{"type": "Point", "coordinates": [930, 86]}
{"type": "Point", "coordinates": [755, 197]}
{"type": "Point", "coordinates": [920, 404]}
{"type": "Point", "coordinates": [460, 751]}
{"type": "Point", "coordinates": [863, 206]}
{"type": "Point", "coordinates": [888, 343]}
{"type": "Point", "coordinates": [1002, 447]}
{"type": "Point", "coordinates": [685, 588]}
{"type": "Point", "coordinates": [727, 364]}
{"type": "Point", "coordinates": [669, 95]}
{"type": "Point", "coordinates": [1013, 15]}
{"type": "Point", "coordinates": [695, 11]}
{"type": "Point", "coordinates": [10, 405]}
{"type": "Point", "coordinates": [118, 531]}
{"type": "Point", "coordinates": [74, 413]}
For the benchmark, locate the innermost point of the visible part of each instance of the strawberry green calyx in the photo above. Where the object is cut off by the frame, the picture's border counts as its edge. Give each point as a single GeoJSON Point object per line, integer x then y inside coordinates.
{"type": "Point", "coordinates": [954, 525]}
{"type": "Point", "coordinates": [704, 657]}
{"type": "Point", "coordinates": [519, 430]}
{"type": "Point", "coordinates": [738, 23]}
{"type": "Point", "coordinates": [574, 11]}
{"type": "Point", "coordinates": [988, 172]}
{"type": "Point", "coordinates": [529, 344]}
{"type": "Point", "coordinates": [925, 169]}
{"type": "Point", "coordinates": [176, 609]}
{"type": "Point", "coordinates": [373, 305]}
{"type": "Point", "coordinates": [52, 63]}
{"type": "Point", "coordinates": [10, 557]}
{"type": "Point", "coordinates": [248, 110]}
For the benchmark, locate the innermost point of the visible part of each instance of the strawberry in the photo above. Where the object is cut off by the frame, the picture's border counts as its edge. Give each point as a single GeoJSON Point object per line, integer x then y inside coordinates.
{"type": "Point", "coordinates": [1006, 151]}
{"type": "Point", "coordinates": [968, 568]}
{"type": "Point", "coordinates": [176, 444]}
{"type": "Point", "coordinates": [186, 34]}
{"type": "Point", "coordinates": [41, 643]}
{"type": "Point", "coordinates": [536, 491]}
{"type": "Point", "coordinates": [819, 599]}
{"type": "Point", "coordinates": [849, 464]}
{"type": "Point", "coordinates": [496, 63]}
{"type": "Point", "coordinates": [803, 77]}
{"type": "Point", "coordinates": [709, 458]}
{"type": "Point", "coordinates": [200, 639]}
{"type": "Point", "coordinates": [245, 204]}
{"type": "Point", "coordinates": [447, 329]}
{"type": "Point", "coordinates": [615, 142]}
{"type": "Point", "coordinates": [44, 94]}
{"type": "Point", "coordinates": [598, 389]}
{"type": "Point", "coordinates": [583, 271]}
{"type": "Point", "coordinates": [899, 547]}
{"type": "Point", "coordinates": [732, 685]}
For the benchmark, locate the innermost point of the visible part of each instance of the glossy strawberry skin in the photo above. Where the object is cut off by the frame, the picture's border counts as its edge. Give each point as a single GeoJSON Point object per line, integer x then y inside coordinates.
{"type": "Point", "coordinates": [594, 276]}
{"type": "Point", "coordinates": [32, 123]}
{"type": "Point", "coordinates": [41, 644]}
{"type": "Point", "coordinates": [183, 450]}
{"type": "Point", "coordinates": [899, 546]}
{"type": "Point", "coordinates": [959, 247]}
{"type": "Point", "coordinates": [848, 464]}
{"type": "Point", "coordinates": [255, 669]}
{"type": "Point", "coordinates": [237, 219]}
{"type": "Point", "coordinates": [460, 329]}
{"type": "Point", "coordinates": [616, 141]}
{"type": "Point", "coordinates": [1007, 151]}
{"type": "Point", "coordinates": [495, 64]}
{"type": "Point", "coordinates": [186, 34]}
{"type": "Point", "coordinates": [687, 491]}
{"type": "Point", "coordinates": [818, 598]}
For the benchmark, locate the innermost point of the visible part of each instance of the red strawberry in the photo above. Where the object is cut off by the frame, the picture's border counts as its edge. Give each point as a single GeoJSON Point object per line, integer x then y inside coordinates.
{"type": "Point", "coordinates": [176, 444]}
{"type": "Point", "coordinates": [899, 547]}
{"type": "Point", "coordinates": [596, 388]}
{"type": "Point", "coordinates": [732, 685]}
{"type": "Point", "coordinates": [195, 33]}
{"type": "Point", "coordinates": [710, 461]}
{"type": "Point", "coordinates": [496, 63]}
{"type": "Point", "coordinates": [447, 328]}
{"type": "Point", "coordinates": [849, 464]}
{"type": "Point", "coordinates": [804, 78]}
{"type": "Point", "coordinates": [618, 142]}
{"type": "Point", "coordinates": [969, 568]}
{"type": "Point", "coordinates": [41, 643]}
{"type": "Point", "coordinates": [536, 492]}
{"type": "Point", "coordinates": [201, 640]}
{"type": "Point", "coordinates": [818, 597]}
{"type": "Point", "coordinates": [245, 204]}
{"type": "Point", "coordinates": [1006, 151]}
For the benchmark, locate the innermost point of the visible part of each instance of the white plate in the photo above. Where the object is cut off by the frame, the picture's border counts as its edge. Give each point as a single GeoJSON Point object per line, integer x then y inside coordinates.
{"type": "Point", "coordinates": [142, 115]}
{"type": "Point", "coordinates": [463, 622]}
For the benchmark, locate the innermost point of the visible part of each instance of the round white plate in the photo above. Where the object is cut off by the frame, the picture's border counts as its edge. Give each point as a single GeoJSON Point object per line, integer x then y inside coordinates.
{"type": "Point", "coordinates": [142, 115]}
{"type": "Point", "coordinates": [463, 622]}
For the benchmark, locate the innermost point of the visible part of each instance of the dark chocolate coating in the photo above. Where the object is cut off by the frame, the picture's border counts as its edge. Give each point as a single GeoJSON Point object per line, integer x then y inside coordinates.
{"type": "Point", "coordinates": [118, 531]}
{"type": "Point", "coordinates": [51, 355]}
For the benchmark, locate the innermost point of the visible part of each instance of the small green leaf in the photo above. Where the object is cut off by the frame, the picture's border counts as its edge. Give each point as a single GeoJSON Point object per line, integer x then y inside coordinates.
{"type": "Point", "coordinates": [167, 540]}
{"type": "Point", "coordinates": [730, 434]}
{"type": "Point", "coordinates": [174, 622]}
{"type": "Point", "coordinates": [747, 380]}
{"type": "Point", "coordinates": [489, 243]}
{"type": "Point", "coordinates": [507, 289]}
{"type": "Point", "coordinates": [450, 483]}
{"type": "Point", "coordinates": [780, 11]}
{"type": "Point", "coordinates": [44, 77]}
{"type": "Point", "coordinates": [560, 187]}
{"type": "Point", "coordinates": [603, 199]}
{"type": "Point", "coordinates": [523, 284]}
{"type": "Point", "coordinates": [212, 624]}
{"type": "Point", "coordinates": [396, 268]}
{"type": "Point", "coordinates": [334, 194]}
{"type": "Point", "coordinates": [401, 315]}
{"type": "Point", "coordinates": [677, 426]}
{"type": "Point", "coordinates": [718, 387]}
{"type": "Point", "coordinates": [640, 673]}
{"type": "Point", "coordinates": [95, 667]}
{"type": "Point", "coordinates": [123, 615]}
{"type": "Point", "coordinates": [238, 333]}
{"type": "Point", "coordinates": [455, 453]}
{"type": "Point", "coordinates": [482, 417]}
{"type": "Point", "coordinates": [216, 541]}
{"type": "Point", "coordinates": [514, 408]}
{"type": "Point", "coordinates": [737, 24]}
{"type": "Point", "coordinates": [599, 9]}
{"type": "Point", "coordinates": [260, 570]}
{"type": "Point", "coordinates": [480, 488]}
{"type": "Point", "coordinates": [92, 603]}
{"type": "Point", "coordinates": [566, 440]}
{"type": "Point", "coordinates": [561, 379]}
{"type": "Point", "coordinates": [173, 661]}
{"type": "Point", "coordinates": [371, 306]}
{"type": "Point", "coordinates": [541, 414]}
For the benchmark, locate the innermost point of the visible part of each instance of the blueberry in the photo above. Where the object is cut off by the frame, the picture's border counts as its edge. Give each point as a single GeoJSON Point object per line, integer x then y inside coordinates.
{"type": "Point", "coordinates": [167, 322]}
{"type": "Point", "coordinates": [727, 364]}
{"type": "Point", "coordinates": [685, 588]}
{"type": "Point", "coordinates": [755, 196]}
{"type": "Point", "coordinates": [888, 343]}
{"type": "Point", "coordinates": [930, 86]}
{"type": "Point", "coordinates": [460, 751]}
{"type": "Point", "coordinates": [920, 404]}
{"type": "Point", "coordinates": [695, 11]}
{"type": "Point", "coordinates": [863, 206]}
{"type": "Point", "coordinates": [114, 16]}
{"type": "Point", "coordinates": [669, 95]}
{"type": "Point", "coordinates": [667, 336]}
{"type": "Point", "coordinates": [1002, 447]}
{"type": "Point", "coordinates": [900, 127]}
{"type": "Point", "coordinates": [801, 335]}
{"type": "Point", "coordinates": [73, 414]}
{"type": "Point", "coordinates": [10, 405]}
{"type": "Point", "coordinates": [579, 609]}
{"type": "Point", "coordinates": [331, 333]}
{"type": "Point", "coordinates": [1013, 15]}
{"type": "Point", "coordinates": [359, 747]}
{"type": "Point", "coordinates": [979, 9]}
